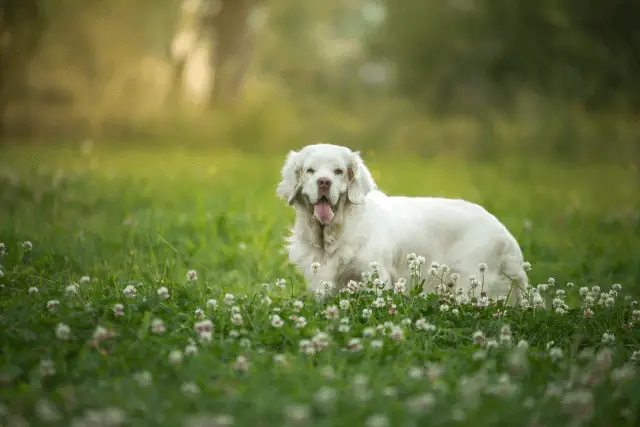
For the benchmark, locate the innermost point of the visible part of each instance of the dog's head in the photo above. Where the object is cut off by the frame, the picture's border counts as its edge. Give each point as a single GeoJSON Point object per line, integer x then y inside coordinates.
{"type": "Point", "coordinates": [321, 175]}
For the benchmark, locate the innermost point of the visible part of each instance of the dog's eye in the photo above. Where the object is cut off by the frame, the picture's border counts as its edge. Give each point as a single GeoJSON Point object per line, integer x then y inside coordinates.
{"type": "Point", "coordinates": [338, 171]}
{"type": "Point", "coordinates": [310, 170]}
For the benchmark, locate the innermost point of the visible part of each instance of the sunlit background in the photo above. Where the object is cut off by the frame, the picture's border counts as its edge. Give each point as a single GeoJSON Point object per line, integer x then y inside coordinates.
{"type": "Point", "coordinates": [478, 78]}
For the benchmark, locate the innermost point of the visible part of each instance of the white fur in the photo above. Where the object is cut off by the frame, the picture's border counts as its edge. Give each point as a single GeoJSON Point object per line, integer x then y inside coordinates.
{"type": "Point", "coordinates": [371, 226]}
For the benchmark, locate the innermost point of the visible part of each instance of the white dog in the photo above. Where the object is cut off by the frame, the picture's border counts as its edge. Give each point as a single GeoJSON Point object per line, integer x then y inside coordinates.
{"type": "Point", "coordinates": [343, 222]}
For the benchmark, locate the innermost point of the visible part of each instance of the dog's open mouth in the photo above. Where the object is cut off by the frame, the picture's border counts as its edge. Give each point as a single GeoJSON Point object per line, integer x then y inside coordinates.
{"type": "Point", "coordinates": [324, 211]}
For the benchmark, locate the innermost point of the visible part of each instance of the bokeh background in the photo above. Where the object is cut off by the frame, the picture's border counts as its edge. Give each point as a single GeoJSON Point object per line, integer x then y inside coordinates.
{"type": "Point", "coordinates": [485, 79]}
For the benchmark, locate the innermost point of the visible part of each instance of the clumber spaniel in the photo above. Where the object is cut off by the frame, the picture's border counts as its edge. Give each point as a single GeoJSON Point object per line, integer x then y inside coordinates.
{"type": "Point", "coordinates": [343, 222]}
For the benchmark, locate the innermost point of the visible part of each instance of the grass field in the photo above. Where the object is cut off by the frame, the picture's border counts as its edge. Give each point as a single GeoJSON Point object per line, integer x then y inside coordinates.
{"type": "Point", "coordinates": [101, 325]}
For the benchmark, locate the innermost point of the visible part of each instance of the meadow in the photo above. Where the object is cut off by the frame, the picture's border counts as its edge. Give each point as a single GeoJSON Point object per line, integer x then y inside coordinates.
{"type": "Point", "coordinates": [149, 286]}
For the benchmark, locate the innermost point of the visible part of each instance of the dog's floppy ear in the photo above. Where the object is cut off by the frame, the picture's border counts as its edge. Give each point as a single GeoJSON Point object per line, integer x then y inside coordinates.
{"type": "Point", "coordinates": [360, 180]}
{"type": "Point", "coordinates": [290, 185]}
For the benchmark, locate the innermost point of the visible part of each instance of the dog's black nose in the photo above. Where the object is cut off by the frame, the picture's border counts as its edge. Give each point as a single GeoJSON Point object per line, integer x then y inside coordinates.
{"type": "Point", "coordinates": [324, 182]}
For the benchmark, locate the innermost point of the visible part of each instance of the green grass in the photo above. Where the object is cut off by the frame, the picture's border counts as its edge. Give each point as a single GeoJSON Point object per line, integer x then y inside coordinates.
{"type": "Point", "coordinates": [146, 217]}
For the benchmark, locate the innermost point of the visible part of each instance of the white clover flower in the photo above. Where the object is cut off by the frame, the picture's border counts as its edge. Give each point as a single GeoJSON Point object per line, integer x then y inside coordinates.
{"type": "Point", "coordinates": [297, 305]}
{"type": "Point", "coordinates": [397, 334]}
{"type": "Point", "coordinates": [27, 246]}
{"type": "Point", "coordinates": [366, 313]}
{"type": "Point", "coordinates": [47, 368]}
{"type": "Point", "coordinates": [191, 350]}
{"type": "Point", "coordinates": [424, 325]}
{"type": "Point", "coordinates": [199, 313]}
{"type": "Point", "coordinates": [266, 301]}
{"type": "Point", "coordinates": [52, 304]}
{"type": "Point", "coordinates": [320, 293]}
{"type": "Point", "coordinates": [421, 403]}
{"type": "Point", "coordinates": [444, 308]}
{"type": "Point", "coordinates": [85, 280]}
{"type": "Point", "coordinates": [301, 322]}
{"type": "Point", "coordinates": [616, 287]}
{"type": "Point", "coordinates": [325, 396]}
{"type": "Point", "coordinates": [482, 267]}
{"type": "Point", "coordinates": [375, 267]}
{"type": "Point", "coordinates": [176, 357]}
{"type": "Point", "coordinates": [608, 338]}
{"type": "Point", "coordinates": [321, 341]}
{"type": "Point", "coordinates": [368, 332]}
{"type": "Point", "coordinates": [492, 343]}
{"type": "Point", "coordinates": [236, 319]}
{"type": "Point", "coordinates": [157, 326]}
{"type": "Point", "coordinates": [163, 293]}
{"type": "Point", "coordinates": [354, 345]}
{"type": "Point", "coordinates": [118, 310]}
{"type": "Point", "coordinates": [190, 389]}
{"type": "Point", "coordinates": [130, 291]}
{"type": "Point", "coordinates": [473, 282]}
{"type": "Point", "coordinates": [205, 337]}
{"type": "Point", "coordinates": [192, 275]}
{"type": "Point", "coordinates": [376, 344]}
{"type": "Point", "coordinates": [280, 359]}
{"type": "Point", "coordinates": [480, 354]}
{"type": "Point", "coordinates": [415, 373]}
{"type": "Point", "coordinates": [432, 272]}
{"type": "Point", "coordinates": [526, 266]}
{"type": "Point", "coordinates": [281, 283]}
{"type": "Point", "coordinates": [378, 303]}
{"type": "Point", "coordinates": [229, 299]}
{"type": "Point", "coordinates": [143, 378]}
{"type": "Point", "coordinates": [32, 290]}
{"type": "Point", "coordinates": [47, 411]}
{"type": "Point", "coordinates": [400, 287]}
{"type": "Point", "coordinates": [635, 356]}
{"type": "Point", "coordinates": [344, 304]}
{"type": "Point", "coordinates": [551, 281]}
{"type": "Point", "coordinates": [241, 364]}
{"type": "Point", "coordinates": [306, 347]}
{"type": "Point", "coordinates": [344, 328]}
{"type": "Point", "coordinates": [211, 303]}
{"type": "Point", "coordinates": [71, 289]}
{"type": "Point", "coordinates": [332, 312]}
{"type": "Point", "coordinates": [479, 338]}
{"type": "Point", "coordinates": [63, 331]}
{"type": "Point", "coordinates": [276, 321]}
{"type": "Point", "coordinates": [583, 291]}
{"type": "Point", "coordinates": [315, 267]}
{"type": "Point", "coordinates": [203, 326]}
{"type": "Point", "coordinates": [434, 265]}
{"type": "Point", "coordinates": [455, 277]}
{"type": "Point", "coordinates": [296, 414]}
{"type": "Point", "coordinates": [556, 354]}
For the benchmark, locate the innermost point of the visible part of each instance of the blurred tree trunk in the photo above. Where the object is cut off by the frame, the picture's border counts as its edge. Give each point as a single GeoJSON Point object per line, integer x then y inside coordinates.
{"type": "Point", "coordinates": [232, 49]}
{"type": "Point", "coordinates": [21, 24]}
{"type": "Point", "coordinates": [223, 27]}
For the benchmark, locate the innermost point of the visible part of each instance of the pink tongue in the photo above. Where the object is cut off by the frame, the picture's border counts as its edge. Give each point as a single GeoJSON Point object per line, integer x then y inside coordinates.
{"type": "Point", "coordinates": [323, 212]}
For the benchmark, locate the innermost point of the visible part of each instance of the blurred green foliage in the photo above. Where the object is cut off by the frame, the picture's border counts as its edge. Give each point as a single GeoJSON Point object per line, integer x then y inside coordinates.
{"type": "Point", "coordinates": [489, 51]}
